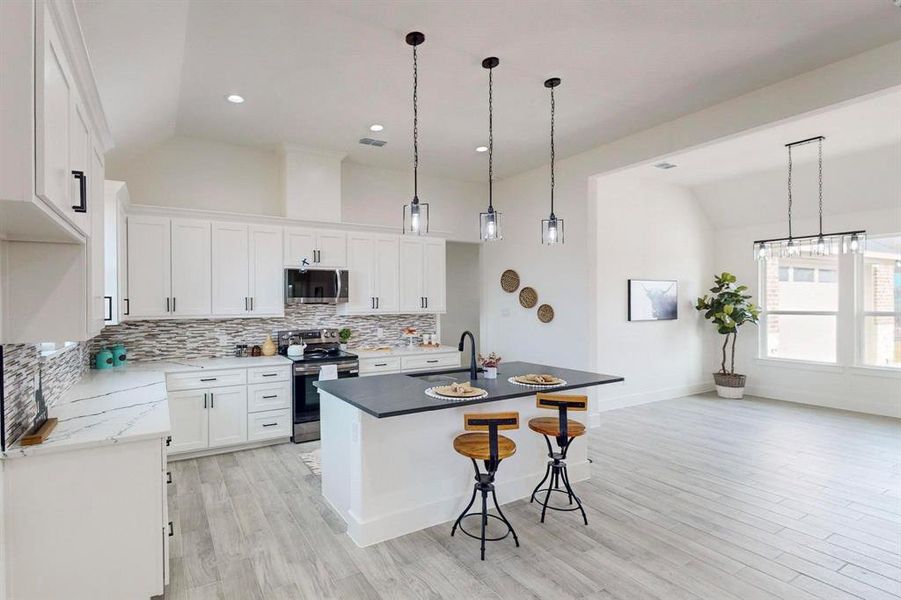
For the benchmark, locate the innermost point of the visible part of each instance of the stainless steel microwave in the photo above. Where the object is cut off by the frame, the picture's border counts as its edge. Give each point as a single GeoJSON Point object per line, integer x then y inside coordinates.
{"type": "Point", "coordinates": [315, 286]}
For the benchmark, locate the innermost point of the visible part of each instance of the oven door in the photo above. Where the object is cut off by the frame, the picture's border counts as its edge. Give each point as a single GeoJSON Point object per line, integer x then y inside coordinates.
{"type": "Point", "coordinates": [316, 286]}
{"type": "Point", "coordinates": [306, 398]}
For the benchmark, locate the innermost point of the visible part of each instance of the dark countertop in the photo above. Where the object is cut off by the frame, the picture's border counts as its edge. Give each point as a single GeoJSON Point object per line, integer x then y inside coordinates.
{"type": "Point", "coordinates": [399, 394]}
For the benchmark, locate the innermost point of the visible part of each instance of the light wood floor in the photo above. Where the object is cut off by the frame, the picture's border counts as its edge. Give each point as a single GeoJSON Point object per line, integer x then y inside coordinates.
{"type": "Point", "coordinates": [690, 498]}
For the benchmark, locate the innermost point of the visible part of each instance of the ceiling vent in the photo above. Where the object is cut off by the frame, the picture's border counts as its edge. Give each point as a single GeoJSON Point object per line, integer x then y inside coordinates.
{"type": "Point", "coordinates": [372, 142]}
{"type": "Point", "coordinates": [665, 165]}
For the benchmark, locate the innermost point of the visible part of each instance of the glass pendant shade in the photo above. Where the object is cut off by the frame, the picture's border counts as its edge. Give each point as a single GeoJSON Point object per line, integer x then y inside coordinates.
{"type": "Point", "coordinates": [552, 230]}
{"type": "Point", "coordinates": [416, 217]}
{"type": "Point", "coordinates": [490, 225]}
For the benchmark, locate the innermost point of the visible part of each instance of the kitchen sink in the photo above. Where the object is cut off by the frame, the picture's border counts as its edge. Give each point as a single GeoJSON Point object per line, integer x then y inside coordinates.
{"type": "Point", "coordinates": [444, 377]}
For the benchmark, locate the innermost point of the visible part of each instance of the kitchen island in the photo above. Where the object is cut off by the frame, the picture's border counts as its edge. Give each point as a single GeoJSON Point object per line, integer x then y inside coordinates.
{"type": "Point", "coordinates": [388, 463]}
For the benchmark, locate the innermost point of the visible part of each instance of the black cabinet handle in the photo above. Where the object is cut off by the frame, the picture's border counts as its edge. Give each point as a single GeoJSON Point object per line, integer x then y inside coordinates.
{"type": "Point", "coordinates": [270, 397]}
{"type": "Point", "coordinates": [209, 379]}
{"type": "Point", "coordinates": [212, 405]}
{"type": "Point", "coordinates": [204, 400]}
{"type": "Point", "coordinates": [167, 305]}
{"type": "Point", "coordinates": [109, 304]}
{"type": "Point", "coordinates": [431, 362]}
{"type": "Point", "coordinates": [269, 374]}
{"type": "Point", "coordinates": [426, 301]}
{"type": "Point", "coordinates": [376, 301]}
{"type": "Point", "coordinates": [251, 303]}
{"type": "Point", "coordinates": [269, 424]}
{"type": "Point", "coordinates": [245, 303]}
{"type": "Point", "coordinates": [173, 303]}
{"type": "Point", "coordinates": [168, 476]}
{"type": "Point", "coordinates": [381, 364]}
{"type": "Point", "coordinates": [127, 307]}
{"type": "Point", "coordinates": [171, 529]}
{"type": "Point", "coordinates": [82, 192]}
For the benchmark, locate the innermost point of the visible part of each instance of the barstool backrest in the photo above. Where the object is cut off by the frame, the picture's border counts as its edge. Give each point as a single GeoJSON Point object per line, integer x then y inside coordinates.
{"type": "Point", "coordinates": [484, 421]}
{"type": "Point", "coordinates": [555, 401]}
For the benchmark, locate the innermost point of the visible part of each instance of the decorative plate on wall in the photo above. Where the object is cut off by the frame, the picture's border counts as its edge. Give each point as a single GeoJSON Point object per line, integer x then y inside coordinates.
{"type": "Point", "coordinates": [510, 280]}
{"type": "Point", "coordinates": [545, 313]}
{"type": "Point", "coordinates": [528, 297]}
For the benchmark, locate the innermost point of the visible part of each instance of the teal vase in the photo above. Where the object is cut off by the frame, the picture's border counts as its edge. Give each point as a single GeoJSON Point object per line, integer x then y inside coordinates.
{"type": "Point", "coordinates": [104, 359]}
{"type": "Point", "coordinates": [119, 355]}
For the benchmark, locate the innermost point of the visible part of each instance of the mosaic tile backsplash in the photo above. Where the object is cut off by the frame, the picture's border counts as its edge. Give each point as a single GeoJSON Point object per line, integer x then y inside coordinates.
{"type": "Point", "coordinates": [216, 338]}
{"type": "Point", "coordinates": [59, 372]}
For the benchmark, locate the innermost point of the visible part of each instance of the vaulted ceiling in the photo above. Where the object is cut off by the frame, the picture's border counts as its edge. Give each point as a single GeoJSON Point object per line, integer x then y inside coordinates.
{"type": "Point", "coordinates": [319, 73]}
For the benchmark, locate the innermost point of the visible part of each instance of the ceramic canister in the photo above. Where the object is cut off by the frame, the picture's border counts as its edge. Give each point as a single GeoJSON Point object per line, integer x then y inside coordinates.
{"type": "Point", "coordinates": [104, 359]}
{"type": "Point", "coordinates": [119, 355]}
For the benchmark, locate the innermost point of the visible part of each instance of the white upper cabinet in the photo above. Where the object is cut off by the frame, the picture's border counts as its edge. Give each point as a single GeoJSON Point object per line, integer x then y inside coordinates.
{"type": "Point", "coordinates": [386, 259]}
{"type": "Point", "coordinates": [320, 248]}
{"type": "Point", "coordinates": [267, 285]}
{"type": "Point", "coordinates": [149, 267]}
{"type": "Point", "coordinates": [422, 275]}
{"type": "Point", "coordinates": [360, 273]}
{"type": "Point", "coordinates": [231, 265]}
{"type": "Point", "coordinates": [191, 268]}
{"type": "Point", "coordinates": [100, 305]}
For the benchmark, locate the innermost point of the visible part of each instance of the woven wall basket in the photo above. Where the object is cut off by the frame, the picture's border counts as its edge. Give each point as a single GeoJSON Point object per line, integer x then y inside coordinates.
{"type": "Point", "coordinates": [528, 297]}
{"type": "Point", "coordinates": [545, 313]}
{"type": "Point", "coordinates": [510, 281]}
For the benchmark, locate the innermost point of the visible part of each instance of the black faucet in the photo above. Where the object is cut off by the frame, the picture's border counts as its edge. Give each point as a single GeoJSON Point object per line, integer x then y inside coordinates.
{"type": "Point", "coordinates": [473, 370]}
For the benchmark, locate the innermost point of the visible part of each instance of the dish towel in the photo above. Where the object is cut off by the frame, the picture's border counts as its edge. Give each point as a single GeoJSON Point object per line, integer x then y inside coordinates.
{"type": "Point", "coordinates": [327, 372]}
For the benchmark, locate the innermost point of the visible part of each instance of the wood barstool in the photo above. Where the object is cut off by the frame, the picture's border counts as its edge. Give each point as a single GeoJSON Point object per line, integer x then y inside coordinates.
{"type": "Point", "coordinates": [564, 431]}
{"type": "Point", "coordinates": [491, 448]}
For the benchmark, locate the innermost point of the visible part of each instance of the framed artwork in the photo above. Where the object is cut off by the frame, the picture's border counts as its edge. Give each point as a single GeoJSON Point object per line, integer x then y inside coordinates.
{"type": "Point", "coordinates": [653, 300]}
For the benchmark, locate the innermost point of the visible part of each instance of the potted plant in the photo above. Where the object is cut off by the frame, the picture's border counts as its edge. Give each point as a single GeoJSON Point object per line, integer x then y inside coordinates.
{"type": "Point", "coordinates": [344, 336]}
{"type": "Point", "coordinates": [728, 307]}
{"type": "Point", "coordinates": [490, 363]}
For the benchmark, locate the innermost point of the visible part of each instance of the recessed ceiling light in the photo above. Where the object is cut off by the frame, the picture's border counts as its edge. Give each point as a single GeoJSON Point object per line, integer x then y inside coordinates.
{"type": "Point", "coordinates": [376, 127]}
{"type": "Point", "coordinates": [482, 149]}
{"type": "Point", "coordinates": [235, 98]}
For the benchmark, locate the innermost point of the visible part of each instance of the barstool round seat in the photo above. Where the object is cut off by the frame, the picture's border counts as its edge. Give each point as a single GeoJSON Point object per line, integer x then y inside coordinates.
{"type": "Point", "coordinates": [551, 426]}
{"type": "Point", "coordinates": [476, 445]}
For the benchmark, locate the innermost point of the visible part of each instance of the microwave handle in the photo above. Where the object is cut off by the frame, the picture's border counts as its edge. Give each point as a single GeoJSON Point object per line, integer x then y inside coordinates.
{"type": "Point", "coordinates": [338, 277]}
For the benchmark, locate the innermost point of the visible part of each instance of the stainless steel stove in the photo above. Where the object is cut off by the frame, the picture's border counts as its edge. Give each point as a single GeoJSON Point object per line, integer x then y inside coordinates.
{"type": "Point", "coordinates": [322, 348]}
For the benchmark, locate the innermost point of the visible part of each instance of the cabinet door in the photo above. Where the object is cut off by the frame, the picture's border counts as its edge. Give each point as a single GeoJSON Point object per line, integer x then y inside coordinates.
{"type": "Point", "coordinates": [387, 273]}
{"type": "Point", "coordinates": [412, 270]}
{"type": "Point", "coordinates": [360, 275]}
{"type": "Point", "coordinates": [80, 151]}
{"type": "Point", "coordinates": [267, 276]}
{"type": "Point", "coordinates": [191, 268]}
{"type": "Point", "coordinates": [228, 415]}
{"type": "Point", "coordinates": [331, 249]}
{"type": "Point", "coordinates": [188, 419]}
{"type": "Point", "coordinates": [98, 308]}
{"type": "Point", "coordinates": [149, 267]}
{"type": "Point", "coordinates": [53, 100]}
{"type": "Point", "coordinates": [122, 261]}
{"type": "Point", "coordinates": [231, 269]}
{"type": "Point", "coordinates": [435, 276]}
{"type": "Point", "coordinates": [299, 245]}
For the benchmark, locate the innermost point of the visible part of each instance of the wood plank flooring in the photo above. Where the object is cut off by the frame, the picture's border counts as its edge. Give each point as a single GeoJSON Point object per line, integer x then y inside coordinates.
{"type": "Point", "coordinates": [693, 498]}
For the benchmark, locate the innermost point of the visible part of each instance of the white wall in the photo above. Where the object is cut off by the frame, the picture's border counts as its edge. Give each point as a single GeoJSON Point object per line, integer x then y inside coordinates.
{"type": "Point", "coordinates": [463, 293]}
{"type": "Point", "coordinates": [192, 173]}
{"type": "Point", "coordinates": [376, 196]}
{"type": "Point", "coordinates": [565, 275]}
{"type": "Point", "coordinates": [651, 230]}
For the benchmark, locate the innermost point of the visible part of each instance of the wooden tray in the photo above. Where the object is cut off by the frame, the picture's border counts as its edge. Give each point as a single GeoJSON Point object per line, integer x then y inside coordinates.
{"type": "Point", "coordinates": [444, 390]}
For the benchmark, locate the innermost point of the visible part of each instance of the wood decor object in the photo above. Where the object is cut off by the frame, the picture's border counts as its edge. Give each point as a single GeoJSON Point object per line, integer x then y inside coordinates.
{"type": "Point", "coordinates": [41, 434]}
{"type": "Point", "coordinates": [528, 297]}
{"type": "Point", "coordinates": [510, 281]}
{"type": "Point", "coordinates": [545, 313]}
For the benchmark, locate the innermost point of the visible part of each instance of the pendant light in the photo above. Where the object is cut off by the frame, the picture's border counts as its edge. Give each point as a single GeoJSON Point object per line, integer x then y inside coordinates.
{"type": "Point", "coordinates": [552, 227]}
{"type": "Point", "coordinates": [820, 244]}
{"type": "Point", "coordinates": [416, 212]}
{"type": "Point", "coordinates": [490, 221]}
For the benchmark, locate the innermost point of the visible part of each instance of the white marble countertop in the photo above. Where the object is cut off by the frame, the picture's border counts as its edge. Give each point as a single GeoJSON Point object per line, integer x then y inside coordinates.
{"type": "Point", "coordinates": [402, 351]}
{"type": "Point", "coordinates": [124, 404]}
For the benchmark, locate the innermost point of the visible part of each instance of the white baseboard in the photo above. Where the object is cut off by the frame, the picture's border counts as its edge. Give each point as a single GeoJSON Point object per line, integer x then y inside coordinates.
{"type": "Point", "coordinates": [616, 402]}
{"type": "Point", "coordinates": [389, 526]}
{"type": "Point", "coordinates": [889, 407]}
{"type": "Point", "coordinates": [224, 449]}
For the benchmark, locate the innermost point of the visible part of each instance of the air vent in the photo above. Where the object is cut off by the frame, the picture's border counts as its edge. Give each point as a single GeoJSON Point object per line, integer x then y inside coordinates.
{"type": "Point", "coordinates": [372, 142]}
{"type": "Point", "coordinates": [665, 165]}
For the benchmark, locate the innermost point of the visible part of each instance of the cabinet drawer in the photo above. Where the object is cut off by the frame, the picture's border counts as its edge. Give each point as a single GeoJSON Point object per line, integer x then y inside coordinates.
{"type": "Point", "coordinates": [430, 361]}
{"type": "Point", "coordinates": [268, 396]}
{"type": "Point", "coordinates": [269, 424]}
{"type": "Point", "coordinates": [388, 364]}
{"type": "Point", "coordinates": [269, 374]}
{"type": "Point", "coordinates": [205, 379]}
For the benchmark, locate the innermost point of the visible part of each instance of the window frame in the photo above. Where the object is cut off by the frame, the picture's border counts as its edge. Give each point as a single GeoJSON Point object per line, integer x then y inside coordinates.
{"type": "Point", "coordinates": [861, 314]}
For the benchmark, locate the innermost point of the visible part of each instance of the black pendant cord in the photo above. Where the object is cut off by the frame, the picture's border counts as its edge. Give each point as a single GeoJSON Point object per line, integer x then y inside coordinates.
{"type": "Point", "coordinates": [789, 195]}
{"type": "Point", "coordinates": [552, 152]}
{"type": "Point", "coordinates": [415, 128]}
{"type": "Point", "coordinates": [820, 166]}
{"type": "Point", "coordinates": [490, 139]}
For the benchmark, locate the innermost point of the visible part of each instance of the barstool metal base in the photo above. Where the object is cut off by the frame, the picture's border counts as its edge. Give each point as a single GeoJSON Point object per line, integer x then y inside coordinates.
{"type": "Point", "coordinates": [485, 485]}
{"type": "Point", "coordinates": [556, 471]}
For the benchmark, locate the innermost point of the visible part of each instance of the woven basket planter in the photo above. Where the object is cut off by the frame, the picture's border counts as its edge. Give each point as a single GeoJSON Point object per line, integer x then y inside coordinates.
{"type": "Point", "coordinates": [730, 385]}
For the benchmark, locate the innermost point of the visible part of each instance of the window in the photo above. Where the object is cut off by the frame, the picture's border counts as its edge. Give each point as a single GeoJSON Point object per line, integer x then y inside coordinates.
{"type": "Point", "coordinates": [879, 289]}
{"type": "Point", "coordinates": [800, 309]}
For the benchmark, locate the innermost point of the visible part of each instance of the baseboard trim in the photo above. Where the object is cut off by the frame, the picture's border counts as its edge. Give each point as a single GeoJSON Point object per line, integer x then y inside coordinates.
{"type": "Point", "coordinates": [445, 510]}
{"type": "Point", "coordinates": [225, 449]}
{"type": "Point", "coordinates": [617, 402]}
{"type": "Point", "coordinates": [885, 408]}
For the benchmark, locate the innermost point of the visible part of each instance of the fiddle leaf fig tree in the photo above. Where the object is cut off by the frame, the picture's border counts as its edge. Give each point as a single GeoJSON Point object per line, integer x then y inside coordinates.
{"type": "Point", "coordinates": [728, 307]}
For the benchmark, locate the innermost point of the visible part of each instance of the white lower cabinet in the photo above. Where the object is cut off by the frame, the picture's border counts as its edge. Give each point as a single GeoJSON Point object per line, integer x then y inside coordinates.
{"type": "Point", "coordinates": [227, 416]}
{"type": "Point", "coordinates": [189, 421]}
{"type": "Point", "coordinates": [269, 424]}
{"type": "Point", "coordinates": [429, 360]}
{"type": "Point", "coordinates": [208, 418]}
